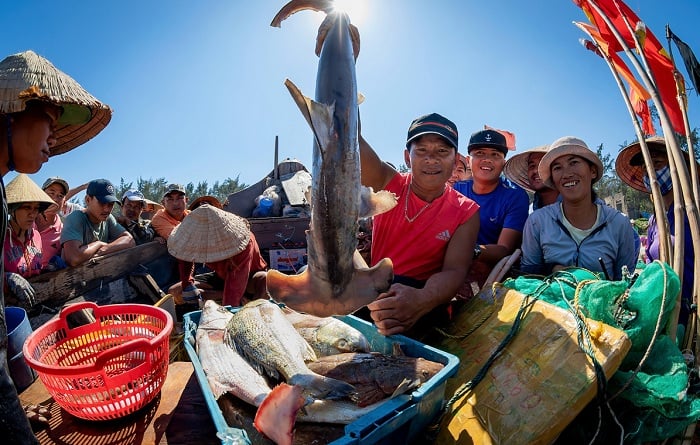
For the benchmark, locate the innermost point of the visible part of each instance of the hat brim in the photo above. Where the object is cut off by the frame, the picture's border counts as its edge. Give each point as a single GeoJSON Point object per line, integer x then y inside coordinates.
{"type": "Point", "coordinates": [107, 199]}
{"type": "Point", "coordinates": [516, 167]}
{"type": "Point", "coordinates": [22, 189]}
{"type": "Point", "coordinates": [60, 182]}
{"type": "Point", "coordinates": [629, 164]}
{"type": "Point", "coordinates": [544, 169]}
{"type": "Point", "coordinates": [436, 131]}
{"type": "Point", "coordinates": [29, 76]}
{"type": "Point", "coordinates": [208, 234]}
{"type": "Point", "coordinates": [502, 148]}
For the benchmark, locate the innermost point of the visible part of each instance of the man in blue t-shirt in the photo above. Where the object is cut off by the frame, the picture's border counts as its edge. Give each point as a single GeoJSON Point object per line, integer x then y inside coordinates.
{"type": "Point", "coordinates": [504, 206]}
{"type": "Point", "coordinates": [94, 230]}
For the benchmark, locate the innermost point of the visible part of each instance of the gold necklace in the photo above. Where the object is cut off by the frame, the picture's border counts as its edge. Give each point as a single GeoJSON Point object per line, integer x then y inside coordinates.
{"type": "Point", "coordinates": [405, 208]}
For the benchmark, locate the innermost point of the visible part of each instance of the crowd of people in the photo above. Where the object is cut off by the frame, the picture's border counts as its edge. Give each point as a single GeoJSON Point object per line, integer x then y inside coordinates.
{"type": "Point", "coordinates": [441, 241]}
{"type": "Point", "coordinates": [457, 216]}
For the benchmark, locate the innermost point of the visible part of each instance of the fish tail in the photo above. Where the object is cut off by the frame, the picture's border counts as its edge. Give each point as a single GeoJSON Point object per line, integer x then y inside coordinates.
{"type": "Point", "coordinates": [277, 414]}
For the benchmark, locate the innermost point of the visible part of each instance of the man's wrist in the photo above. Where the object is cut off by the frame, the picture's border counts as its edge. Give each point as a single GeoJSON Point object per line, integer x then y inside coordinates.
{"type": "Point", "coordinates": [477, 252]}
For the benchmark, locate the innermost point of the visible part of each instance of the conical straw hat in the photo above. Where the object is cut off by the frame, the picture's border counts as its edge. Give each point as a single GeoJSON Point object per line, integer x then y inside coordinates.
{"type": "Point", "coordinates": [27, 76]}
{"type": "Point", "coordinates": [23, 189]}
{"type": "Point", "coordinates": [629, 164]}
{"type": "Point", "coordinates": [209, 234]}
{"type": "Point", "coordinates": [516, 167]}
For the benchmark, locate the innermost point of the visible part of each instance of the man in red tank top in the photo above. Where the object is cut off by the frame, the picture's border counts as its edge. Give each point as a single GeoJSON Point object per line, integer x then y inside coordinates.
{"type": "Point", "coordinates": [429, 235]}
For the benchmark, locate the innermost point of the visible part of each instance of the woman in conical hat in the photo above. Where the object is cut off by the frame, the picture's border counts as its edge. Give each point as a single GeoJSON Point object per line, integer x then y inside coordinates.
{"type": "Point", "coordinates": [43, 112]}
{"type": "Point", "coordinates": [23, 247]}
{"type": "Point", "coordinates": [224, 242]}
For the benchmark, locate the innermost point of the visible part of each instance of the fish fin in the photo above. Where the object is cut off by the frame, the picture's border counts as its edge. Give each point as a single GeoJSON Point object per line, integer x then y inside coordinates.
{"type": "Point", "coordinates": [360, 98]}
{"type": "Point", "coordinates": [295, 6]}
{"type": "Point", "coordinates": [405, 386]}
{"type": "Point", "coordinates": [306, 293]}
{"type": "Point", "coordinates": [277, 414]}
{"type": "Point", "coordinates": [374, 203]}
{"type": "Point", "coordinates": [355, 37]}
{"type": "Point", "coordinates": [322, 387]}
{"type": "Point", "coordinates": [326, 25]}
{"type": "Point", "coordinates": [319, 116]}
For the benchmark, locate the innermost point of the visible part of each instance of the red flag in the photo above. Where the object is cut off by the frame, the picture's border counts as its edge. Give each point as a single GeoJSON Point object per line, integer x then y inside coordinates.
{"type": "Point", "coordinates": [510, 137]}
{"type": "Point", "coordinates": [641, 109]}
{"type": "Point", "coordinates": [638, 94]}
{"type": "Point", "coordinates": [656, 56]}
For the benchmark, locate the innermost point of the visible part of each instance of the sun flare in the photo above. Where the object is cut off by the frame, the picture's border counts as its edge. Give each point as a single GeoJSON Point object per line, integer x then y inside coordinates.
{"type": "Point", "coordinates": [355, 9]}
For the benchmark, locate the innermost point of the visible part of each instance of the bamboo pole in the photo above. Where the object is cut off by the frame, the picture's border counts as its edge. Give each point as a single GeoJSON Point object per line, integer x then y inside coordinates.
{"type": "Point", "coordinates": [657, 201]}
{"type": "Point", "coordinates": [673, 150]}
{"type": "Point", "coordinates": [682, 100]}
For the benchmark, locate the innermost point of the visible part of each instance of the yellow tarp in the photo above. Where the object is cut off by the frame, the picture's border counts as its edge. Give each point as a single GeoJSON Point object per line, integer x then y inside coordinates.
{"type": "Point", "coordinates": [538, 384]}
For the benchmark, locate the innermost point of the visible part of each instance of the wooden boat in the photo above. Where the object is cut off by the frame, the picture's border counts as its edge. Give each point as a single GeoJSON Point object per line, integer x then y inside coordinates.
{"type": "Point", "coordinates": [131, 275]}
{"type": "Point", "coordinates": [282, 238]}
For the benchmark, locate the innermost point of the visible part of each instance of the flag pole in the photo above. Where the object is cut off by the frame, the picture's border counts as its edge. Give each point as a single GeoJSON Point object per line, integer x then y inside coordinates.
{"type": "Point", "coordinates": [682, 100]}
{"type": "Point", "coordinates": [657, 201]}
{"type": "Point", "coordinates": [673, 151]}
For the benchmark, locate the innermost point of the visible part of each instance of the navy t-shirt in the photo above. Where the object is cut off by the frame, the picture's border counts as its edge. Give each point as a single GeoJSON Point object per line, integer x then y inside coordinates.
{"type": "Point", "coordinates": [505, 207]}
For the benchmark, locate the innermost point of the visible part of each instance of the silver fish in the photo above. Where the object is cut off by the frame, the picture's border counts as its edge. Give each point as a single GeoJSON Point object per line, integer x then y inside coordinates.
{"type": "Point", "coordinates": [337, 280]}
{"type": "Point", "coordinates": [327, 335]}
{"type": "Point", "coordinates": [262, 334]}
{"type": "Point", "coordinates": [225, 369]}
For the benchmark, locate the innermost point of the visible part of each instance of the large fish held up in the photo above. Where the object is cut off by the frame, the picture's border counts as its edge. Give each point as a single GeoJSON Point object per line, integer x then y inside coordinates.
{"type": "Point", "coordinates": [337, 280]}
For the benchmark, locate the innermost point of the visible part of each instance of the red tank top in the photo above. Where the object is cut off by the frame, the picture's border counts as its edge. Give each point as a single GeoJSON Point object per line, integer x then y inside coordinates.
{"type": "Point", "coordinates": [414, 234]}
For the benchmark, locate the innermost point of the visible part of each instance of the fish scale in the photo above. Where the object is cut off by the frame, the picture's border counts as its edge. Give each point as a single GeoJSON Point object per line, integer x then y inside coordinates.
{"type": "Point", "coordinates": [262, 334]}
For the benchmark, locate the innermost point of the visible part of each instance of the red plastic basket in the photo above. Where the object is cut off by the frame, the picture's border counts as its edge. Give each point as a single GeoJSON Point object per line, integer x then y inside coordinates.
{"type": "Point", "coordinates": [106, 369]}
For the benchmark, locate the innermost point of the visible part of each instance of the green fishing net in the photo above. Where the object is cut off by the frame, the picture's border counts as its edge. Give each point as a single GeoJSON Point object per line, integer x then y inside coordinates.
{"type": "Point", "coordinates": [648, 402]}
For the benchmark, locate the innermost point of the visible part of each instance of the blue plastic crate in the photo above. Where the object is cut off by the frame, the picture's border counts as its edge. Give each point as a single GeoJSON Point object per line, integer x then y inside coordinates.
{"type": "Point", "coordinates": [398, 420]}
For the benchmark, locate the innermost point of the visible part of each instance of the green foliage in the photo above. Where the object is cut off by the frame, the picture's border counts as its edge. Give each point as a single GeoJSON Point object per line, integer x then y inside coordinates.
{"type": "Point", "coordinates": [154, 189]}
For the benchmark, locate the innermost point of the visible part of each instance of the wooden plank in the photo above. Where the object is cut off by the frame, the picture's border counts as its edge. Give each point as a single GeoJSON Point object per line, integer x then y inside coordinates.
{"type": "Point", "coordinates": [179, 415]}
{"type": "Point", "coordinates": [55, 288]}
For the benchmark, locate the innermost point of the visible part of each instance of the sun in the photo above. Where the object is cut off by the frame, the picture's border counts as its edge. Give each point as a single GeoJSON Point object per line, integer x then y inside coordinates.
{"type": "Point", "coordinates": [356, 9]}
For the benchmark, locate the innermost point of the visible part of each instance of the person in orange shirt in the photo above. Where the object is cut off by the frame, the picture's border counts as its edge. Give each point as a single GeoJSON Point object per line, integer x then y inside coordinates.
{"type": "Point", "coordinates": [164, 222]}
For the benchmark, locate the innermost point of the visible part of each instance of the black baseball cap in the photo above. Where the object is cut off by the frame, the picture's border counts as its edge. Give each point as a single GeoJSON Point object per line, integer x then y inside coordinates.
{"type": "Point", "coordinates": [433, 124]}
{"type": "Point", "coordinates": [488, 139]}
{"type": "Point", "coordinates": [103, 190]}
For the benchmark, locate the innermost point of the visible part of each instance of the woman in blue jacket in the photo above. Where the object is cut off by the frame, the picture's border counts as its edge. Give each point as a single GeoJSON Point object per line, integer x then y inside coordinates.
{"type": "Point", "coordinates": [577, 231]}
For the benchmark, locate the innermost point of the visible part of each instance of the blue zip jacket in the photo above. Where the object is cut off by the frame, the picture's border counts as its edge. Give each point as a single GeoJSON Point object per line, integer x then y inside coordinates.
{"type": "Point", "coordinates": [547, 243]}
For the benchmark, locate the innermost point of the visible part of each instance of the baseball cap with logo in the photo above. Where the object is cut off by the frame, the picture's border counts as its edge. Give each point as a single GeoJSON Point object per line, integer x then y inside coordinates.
{"type": "Point", "coordinates": [488, 139]}
{"type": "Point", "coordinates": [171, 188]}
{"type": "Point", "coordinates": [103, 190]}
{"type": "Point", "coordinates": [433, 124]}
{"type": "Point", "coordinates": [133, 195]}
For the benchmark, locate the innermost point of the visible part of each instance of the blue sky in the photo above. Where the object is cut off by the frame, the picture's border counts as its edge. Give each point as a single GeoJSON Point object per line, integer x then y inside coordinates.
{"type": "Point", "coordinates": [197, 87]}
